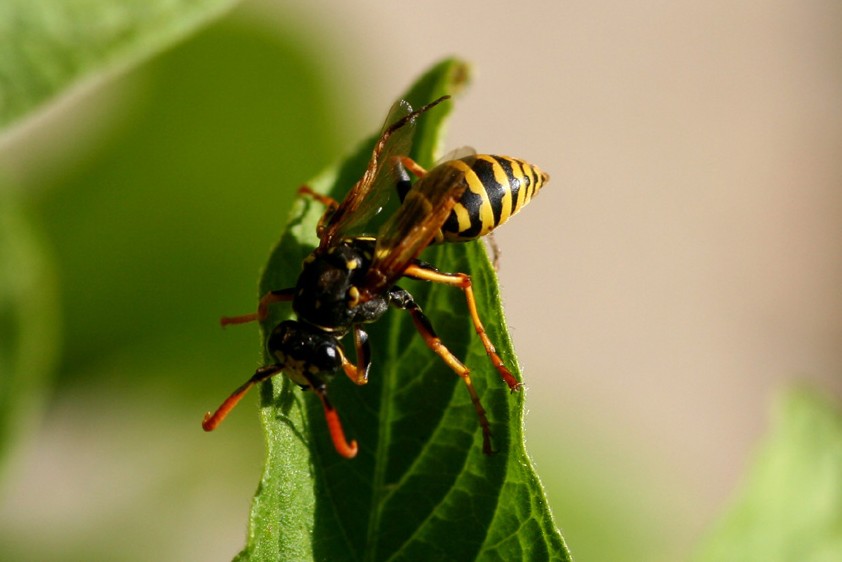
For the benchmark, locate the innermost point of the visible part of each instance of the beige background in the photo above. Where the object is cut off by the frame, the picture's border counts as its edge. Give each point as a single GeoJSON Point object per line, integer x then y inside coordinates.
{"type": "Point", "coordinates": [685, 262]}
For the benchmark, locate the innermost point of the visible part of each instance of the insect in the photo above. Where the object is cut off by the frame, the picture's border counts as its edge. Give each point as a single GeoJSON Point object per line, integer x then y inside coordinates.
{"type": "Point", "coordinates": [349, 279]}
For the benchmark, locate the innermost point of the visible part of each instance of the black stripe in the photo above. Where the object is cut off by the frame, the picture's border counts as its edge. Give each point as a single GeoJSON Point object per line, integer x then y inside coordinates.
{"type": "Point", "coordinates": [451, 224]}
{"type": "Point", "coordinates": [485, 172]}
{"type": "Point", "coordinates": [537, 179]}
{"type": "Point", "coordinates": [472, 203]}
{"type": "Point", "coordinates": [529, 174]}
{"type": "Point", "coordinates": [514, 181]}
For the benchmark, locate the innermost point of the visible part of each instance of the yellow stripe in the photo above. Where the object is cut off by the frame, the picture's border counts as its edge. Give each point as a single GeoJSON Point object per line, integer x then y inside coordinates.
{"type": "Point", "coordinates": [462, 217]}
{"type": "Point", "coordinates": [503, 179]}
{"type": "Point", "coordinates": [533, 183]}
{"type": "Point", "coordinates": [476, 187]}
{"type": "Point", "coordinates": [517, 171]}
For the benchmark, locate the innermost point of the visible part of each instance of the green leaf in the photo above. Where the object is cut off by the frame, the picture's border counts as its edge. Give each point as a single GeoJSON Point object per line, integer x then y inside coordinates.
{"type": "Point", "coordinates": [420, 487]}
{"type": "Point", "coordinates": [791, 507]}
{"type": "Point", "coordinates": [47, 46]}
{"type": "Point", "coordinates": [28, 320]}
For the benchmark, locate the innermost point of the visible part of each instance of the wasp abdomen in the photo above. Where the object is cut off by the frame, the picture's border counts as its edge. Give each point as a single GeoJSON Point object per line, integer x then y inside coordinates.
{"type": "Point", "coordinates": [498, 187]}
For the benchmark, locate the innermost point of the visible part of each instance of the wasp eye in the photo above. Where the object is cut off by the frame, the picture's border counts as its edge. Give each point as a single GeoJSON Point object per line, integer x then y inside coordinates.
{"type": "Point", "coordinates": [353, 296]}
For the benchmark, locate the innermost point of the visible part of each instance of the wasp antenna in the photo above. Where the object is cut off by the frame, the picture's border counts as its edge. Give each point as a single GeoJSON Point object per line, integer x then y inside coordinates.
{"type": "Point", "coordinates": [436, 102]}
{"type": "Point", "coordinates": [211, 421]}
{"type": "Point", "coordinates": [334, 425]}
{"type": "Point", "coordinates": [406, 119]}
{"type": "Point", "coordinates": [427, 107]}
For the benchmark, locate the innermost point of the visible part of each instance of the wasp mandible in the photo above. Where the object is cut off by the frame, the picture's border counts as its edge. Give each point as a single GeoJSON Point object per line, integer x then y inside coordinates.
{"type": "Point", "coordinates": [349, 279]}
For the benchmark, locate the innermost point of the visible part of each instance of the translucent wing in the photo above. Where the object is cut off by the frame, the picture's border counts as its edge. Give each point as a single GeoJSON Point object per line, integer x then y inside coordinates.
{"type": "Point", "coordinates": [371, 192]}
{"type": "Point", "coordinates": [404, 183]}
{"type": "Point", "coordinates": [456, 154]}
{"type": "Point", "coordinates": [413, 226]}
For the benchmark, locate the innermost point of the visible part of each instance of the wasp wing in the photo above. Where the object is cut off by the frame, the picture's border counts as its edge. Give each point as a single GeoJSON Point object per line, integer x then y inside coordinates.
{"type": "Point", "coordinates": [413, 226]}
{"type": "Point", "coordinates": [457, 153]}
{"type": "Point", "coordinates": [372, 191]}
{"type": "Point", "coordinates": [403, 181]}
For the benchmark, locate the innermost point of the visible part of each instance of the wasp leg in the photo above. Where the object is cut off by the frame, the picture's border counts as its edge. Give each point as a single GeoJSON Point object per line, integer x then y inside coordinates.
{"type": "Point", "coordinates": [427, 272]}
{"type": "Point", "coordinates": [327, 201]}
{"type": "Point", "coordinates": [269, 298]}
{"type": "Point", "coordinates": [404, 300]}
{"type": "Point", "coordinates": [211, 421]}
{"type": "Point", "coordinates": [330, 204]}
{"type": "Point", "coordinates": [412, 166]}
{"type": "Point", "coordinates": [334, 425]}
{"type": "Point", "coordinates": [358, 372]}
{"type": "Point", "coordinates": [495, 251]}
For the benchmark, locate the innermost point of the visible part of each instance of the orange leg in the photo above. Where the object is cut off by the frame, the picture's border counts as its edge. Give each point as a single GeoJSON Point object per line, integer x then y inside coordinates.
{"type": "Point", "coordinates": [334, 425]}
{"type": "Point", "coordinates": [337, 435]}
{"type": "Point", "coordinates": [284, 294]}
{"type": "Point", "coordinates": [358, 373]}
{"type": "Point", "coordinates": [463, 281]}
{"type": "Point", "coordinates": [331, 205]}
{"type": "Point", "coordinates": [327, 201]}
{"type": "Point", "coordinates": [363, 350]}
{"type": "Point", "coordinates": [404, 300]}
{"type": "Point", "coordinates": [211, 421]}
{"type": "Point", "coordinates": [412, 166]}
{"type": "Point", "coordinates": [262, 309]}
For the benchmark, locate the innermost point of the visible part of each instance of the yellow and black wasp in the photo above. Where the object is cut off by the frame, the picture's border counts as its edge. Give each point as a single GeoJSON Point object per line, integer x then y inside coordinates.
{"type": "Point", "coordinates": [349, 279]}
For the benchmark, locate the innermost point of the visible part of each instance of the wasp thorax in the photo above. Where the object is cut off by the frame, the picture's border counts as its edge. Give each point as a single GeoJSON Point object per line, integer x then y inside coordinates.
{"type": "Point", "coordinates": [324, 290]}
{"type": "Point", "coordinates": [327, 294]}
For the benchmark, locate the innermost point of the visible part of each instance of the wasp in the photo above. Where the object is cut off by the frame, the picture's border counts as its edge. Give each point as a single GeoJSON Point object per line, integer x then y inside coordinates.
{"type": "Point", "coordinates": [349, 280]}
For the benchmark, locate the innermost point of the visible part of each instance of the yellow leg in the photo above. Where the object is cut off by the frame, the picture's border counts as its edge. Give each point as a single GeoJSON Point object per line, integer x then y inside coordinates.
{"type": "Point", "coordinates": [327, 201]}
{"type": "Point", "coordinates": [358, 373]}
{"type": "Point", "coordinates": [463, 281]}
{"type": "Point", "coordinates": [404, 300]}
{"type": "Point", "coordinates": [435, 344]}
{"type": "Point", "coordinates": [412, 166]}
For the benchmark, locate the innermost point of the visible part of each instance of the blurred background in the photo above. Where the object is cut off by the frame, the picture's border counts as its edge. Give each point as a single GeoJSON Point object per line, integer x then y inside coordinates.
{"type": "Point", "coordinates": [681, 268]}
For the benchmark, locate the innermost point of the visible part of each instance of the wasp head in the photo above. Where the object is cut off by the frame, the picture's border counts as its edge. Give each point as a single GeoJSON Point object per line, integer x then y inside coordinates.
{"type": "Point", "coordinates": [309, 356]}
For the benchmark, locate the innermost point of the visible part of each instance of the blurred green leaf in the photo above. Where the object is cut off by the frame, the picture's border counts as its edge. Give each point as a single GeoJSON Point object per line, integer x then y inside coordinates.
{"type": "Point", "coordinates": [420, 487]}
{"type": "Point", "coordinates": [190, 186]}
{"type": "Point", "coordinates": [46, 46]}
{"type": "Point", "coordinates": [28, 319]}
{"type": "Point", "coordinates": [791, 506]}
{"type": "Point", "coordinates": [158, 227]}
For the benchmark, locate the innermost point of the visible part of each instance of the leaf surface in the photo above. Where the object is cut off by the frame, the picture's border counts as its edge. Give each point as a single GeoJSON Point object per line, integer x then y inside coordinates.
{"type": "Point", "coordinates": [46, 46]}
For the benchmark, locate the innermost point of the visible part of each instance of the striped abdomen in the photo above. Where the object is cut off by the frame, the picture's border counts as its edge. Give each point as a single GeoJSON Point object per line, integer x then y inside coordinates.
{"type": "Point", "coordinates": [498, 187]}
